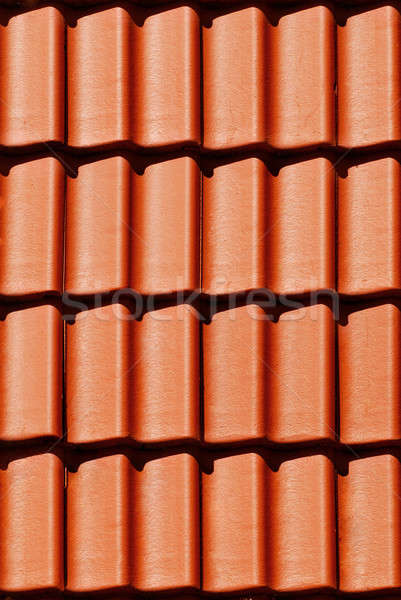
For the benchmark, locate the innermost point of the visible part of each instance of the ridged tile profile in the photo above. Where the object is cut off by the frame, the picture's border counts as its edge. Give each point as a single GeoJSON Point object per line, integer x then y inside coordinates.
{"type": "Point", "coordinates": [279, 376]}
{"type": "Point", "coordinates": [111, 389]}
{"type": "Point", "coordinates": [189, 93]}
{"type": "Point", "coordinates": [200, 300]}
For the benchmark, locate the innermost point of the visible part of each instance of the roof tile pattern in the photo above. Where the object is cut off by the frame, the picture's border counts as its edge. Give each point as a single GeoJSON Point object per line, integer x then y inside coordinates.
{"type": "Point", "coordinates": [282, 103]}
{"type": "Point", "coordinates": [200, 279]}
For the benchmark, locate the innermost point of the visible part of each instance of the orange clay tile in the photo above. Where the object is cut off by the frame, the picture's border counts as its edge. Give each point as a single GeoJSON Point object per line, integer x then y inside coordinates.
{"type": "Point", "coordinates": [234, 524]}
{"type": "Point", "coordinates": [300, 230]}
{"type": "Point", "coordinates": [301, 525]}
{"type": "Point", "coordinates": [31, 373]}
{"type": "Point", "coordinates": [98, 227]}
{"type": "Point", "coordinates": [300, 99]}
{"type": "Point", "coordinates": [98, 523]}
{"type": "Point", "coordinates": [235, 227]}
{"type": "Point", "coordinates": [165, 382]}
{"type": "Point", "coordinates": [369, 525]}
{"type": "Point", "coordinates": [234, 365]}
{"type": "Point", "coordinates": [165, 227]}
{"type": "Point", "coordinates": [234, 90]}
{"type": "Point", "coordinates": [99, 72]}
{"type": "Point", "coordinates": [31, 228]}
{"type": "Point", "coordinates": [370, 378]}
{"type": "Point", "coordinates": [369, 76]}
{"type": "Point", "coordinates": [300, 375]}
{"type": "Point", "coordinates": [165, 524]}
{"type": "Point", "coordinates": [98, 370]}
{"type": "Point", "coordinates": [31, 510]}
{"type": "Point", "coordinates": [166, 82]}
{"type": "Point", "coordinates": [32, 78]}
{"type": "Point", "coordinates": [369, 226]}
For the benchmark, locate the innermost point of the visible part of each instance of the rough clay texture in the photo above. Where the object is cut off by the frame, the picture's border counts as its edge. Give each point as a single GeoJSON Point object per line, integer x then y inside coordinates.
{"type": "Point", "coordinates": [200, 300]}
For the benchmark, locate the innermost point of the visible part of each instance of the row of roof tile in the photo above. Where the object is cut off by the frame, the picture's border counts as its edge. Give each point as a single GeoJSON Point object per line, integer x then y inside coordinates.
{"type": "Point", "coordinates": [144, 231]}
{"type": "Point", "coordinates": [134, 76]}
{"type": "Point", "coordinates": [260, 528]}
{"type": "Point", "coordinates": [261, 381]}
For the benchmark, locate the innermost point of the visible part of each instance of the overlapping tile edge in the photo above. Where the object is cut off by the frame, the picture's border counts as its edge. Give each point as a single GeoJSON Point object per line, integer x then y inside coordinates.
{"type": "Point", "coordinates": [271, 558]}
{"type": "Point", "coordinates": [103, 111]}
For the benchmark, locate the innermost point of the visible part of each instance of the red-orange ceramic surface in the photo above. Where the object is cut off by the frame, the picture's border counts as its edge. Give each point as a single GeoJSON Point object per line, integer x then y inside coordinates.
{"type": "Point", "coordinates": [200, 299]}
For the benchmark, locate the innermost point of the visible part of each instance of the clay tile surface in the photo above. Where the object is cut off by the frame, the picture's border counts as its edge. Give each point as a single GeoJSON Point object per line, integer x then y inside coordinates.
{"type": "Point", "coordinates": [300, 97]}
{"type": "Point", "coordinates": [301, 201]}
{"type": "Point", "coordinates": [266, 241]}
{"type": "Point", "coordinates": [369, 368]}
{"type": "Point", "coordinates": [166, 540]}
{"type": "Point", "coordinates": [32, 78]}
{"type": "Point", "coordinates": [234, 360]}
{"type": "Point", "coordinates": [234, 532]}
{"type": "Point", "coordinates": [302, 525]}
{"type": "Point", "coordinates": [279, 376]}
{"type": "Point", "coordinates": [134, 78]}
{"type": "Point", "coordinates": [98, 78]}
{"type": "Point", "coordinates": [369, 76]}
{"type": "Point", "coordinates": [369, 525]}
{"type": "Point", "coordinates": [166, 85]}
{"type": "Point", "coordinates": [31, 351]}
{"type": "Point", "coordinates": [233, 244]}
{"type": "Point", "coordinates": [133, 379]}
{"type": "Point", "coordinates": [369, 221]}
{"type": "Point", "coordinates": [165, 385]}
{"type": "Point", "coordinates": [300, 375]}
{"type": "Point", "coordinates": [200, 299]}
{"type": "Point", "coordinates": [98, 227]}
{"type": "Point", "coordinates": [98, 525]}
{"type": "Point", "coordinates": [165, 227]}
{"type": "Point", "coordinates": [98, 374]}
{"type": "Point", "coordinates": [31, 228]}
{"type": "Point", "coordinates": [32, 507]}
{"type": "Point", "coordinates": [234, 91]}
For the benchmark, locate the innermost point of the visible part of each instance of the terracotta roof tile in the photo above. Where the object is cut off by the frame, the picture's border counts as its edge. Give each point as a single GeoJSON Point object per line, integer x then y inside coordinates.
{"type": "Point", "coordinates": [234, 359]}
{"type": "Point", "coordinates": [136, 379]}
{"type": "Point", "coordinates": [301, 78]}
{"type": "Point", "coordinates": [31, 374]}
{"type": "Point", "coordinates": [131, 528]}
{"type": "Point", "coordinates": [368, 228]}
{"type": "Point", "coordinates": [369, 351]}
{"type": "Point", "coordinates": [261, 528]}
{"type": "Point", "coordinates": [31, 539]}
{"type": "Point", "coordinates": [302, 525]}
{"type": "Point", "coordinates": [165, 389]}
{"type": "Point", "coordinates": [369, 78]}
{"type": "Point", "coordinates": [234, 532]}
{"type": "Point", "coordinates": [99, 78]}
{"type": "Point", "coordinates": [301, 200]}
{"type": "Point", "coordinates": [300, 372]}
{"type": "Point", "coordinates": [200, 299]}
{"type": "Point", "coordinates": [97, 230]}
{"type": "Point", "coordinates": [31, 228]}
{"type": "Point", "coordinates": [165, 227]}
{"type": "Point", "coordinates": [368, 534]}
{"type": "Point", "coordinates": [106, 105]}
{"type": "Point", "coordinates": [279, 376]}
{"type": "Point", "coordinates": [234, 251]}
{"type": "Point", "coordinates": [167, 541]}
{"type": "Point", "coordinates": [98, 374]}
{"type": "Point", "coordinates": [167, 83]}
{"type": "Point", "coordinates": [32, 78]}
{"type": "Point", "coordinates": [234, 91]}
{"type": "Point", "coordinates": [98, 525]}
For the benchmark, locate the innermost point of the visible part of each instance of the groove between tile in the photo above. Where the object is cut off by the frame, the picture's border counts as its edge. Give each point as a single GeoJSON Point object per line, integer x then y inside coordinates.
{"type": "Point", "coordinates": [158, 123]}
{"type": "Point", "coordinates": [310, 475]}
